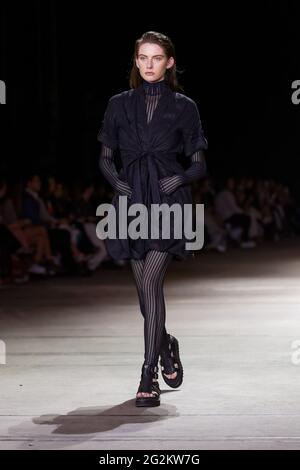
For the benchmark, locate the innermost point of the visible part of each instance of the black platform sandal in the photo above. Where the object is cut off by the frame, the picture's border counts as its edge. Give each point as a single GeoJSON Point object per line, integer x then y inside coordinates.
{"type": "Point", "coordinates": [149, 384]}
{"type": "Point", "coordinates": [170, 362]}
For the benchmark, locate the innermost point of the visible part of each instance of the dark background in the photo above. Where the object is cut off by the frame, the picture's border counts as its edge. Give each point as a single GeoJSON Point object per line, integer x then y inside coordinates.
{"type": "Point", "coordinates": [61, 61]}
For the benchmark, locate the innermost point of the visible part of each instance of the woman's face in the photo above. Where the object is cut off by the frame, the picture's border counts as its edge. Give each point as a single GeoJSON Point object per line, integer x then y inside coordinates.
{"type": "Point", "coordinates": [152, 62]}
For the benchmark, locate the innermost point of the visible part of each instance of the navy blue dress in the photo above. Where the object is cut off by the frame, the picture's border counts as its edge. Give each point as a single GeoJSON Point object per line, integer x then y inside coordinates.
{"type": "Point", "coordinates": [148, 153]}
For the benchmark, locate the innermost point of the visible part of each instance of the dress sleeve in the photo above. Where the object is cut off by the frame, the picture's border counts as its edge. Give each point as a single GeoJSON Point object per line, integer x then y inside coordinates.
{"type": "Point", "coordinates": [108, 168]}
{"type": "Point", "coordinates": [194, 144]}
{"type": "Point", "coordinates": [196, 171]}
{"type": "Point", "coordinates": [192, 132]}
{"type": "Point", "coordinates": [108, 133]}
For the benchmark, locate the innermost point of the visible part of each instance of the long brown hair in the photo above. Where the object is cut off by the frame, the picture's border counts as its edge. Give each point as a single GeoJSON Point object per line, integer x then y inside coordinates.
{"type": "Point", "coordinates": [166, 44]}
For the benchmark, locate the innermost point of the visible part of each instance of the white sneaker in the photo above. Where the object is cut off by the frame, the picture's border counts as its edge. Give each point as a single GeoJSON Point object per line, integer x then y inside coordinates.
{"type": "Point", "coordinates": [21, 279]}
{"type": "Point", "coordinates": [95, 261]}
{"type": "Point", "coordinates": [37, 269]}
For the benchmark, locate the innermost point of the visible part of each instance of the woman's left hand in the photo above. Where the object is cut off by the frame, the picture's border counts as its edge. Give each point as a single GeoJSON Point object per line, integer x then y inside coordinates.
{"type": "Point", "coordinates": [168, 184]}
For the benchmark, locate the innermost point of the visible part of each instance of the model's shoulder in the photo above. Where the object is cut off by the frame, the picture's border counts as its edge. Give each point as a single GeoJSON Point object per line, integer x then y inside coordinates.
{"type": "Point", "coordinates": [184, 99]}
{"type": "Point", "coordinates": [120, 96]}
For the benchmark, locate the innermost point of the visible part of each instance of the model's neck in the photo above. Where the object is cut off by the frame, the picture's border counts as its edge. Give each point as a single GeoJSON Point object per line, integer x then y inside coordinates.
{"type": "Point", "coordinates": [155, 88]}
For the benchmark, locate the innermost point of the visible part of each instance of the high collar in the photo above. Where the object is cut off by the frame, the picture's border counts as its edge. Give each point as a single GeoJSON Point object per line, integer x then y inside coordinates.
{"type": "Point", "coordinates": [164, 89]}
{"type": "Point", "coordinates": [156, 88]}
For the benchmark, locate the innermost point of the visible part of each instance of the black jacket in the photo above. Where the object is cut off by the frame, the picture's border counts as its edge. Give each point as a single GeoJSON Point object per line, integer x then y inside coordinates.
{"type": "Point", "coordinates": [148, 153]}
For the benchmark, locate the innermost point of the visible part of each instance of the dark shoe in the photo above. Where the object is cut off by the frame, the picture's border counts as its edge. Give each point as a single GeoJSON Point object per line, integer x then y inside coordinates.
{"type": "Point", "coordinates": [170, 362]}
{"type": "Point", "coordinates": [149, 384]}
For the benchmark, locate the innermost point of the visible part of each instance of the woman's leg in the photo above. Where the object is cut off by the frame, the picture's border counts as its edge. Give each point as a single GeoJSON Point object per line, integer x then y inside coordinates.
{"type": "Point", "coordinates": [137, 266]}
{"type": "Point", "coordinates": [149, 277]}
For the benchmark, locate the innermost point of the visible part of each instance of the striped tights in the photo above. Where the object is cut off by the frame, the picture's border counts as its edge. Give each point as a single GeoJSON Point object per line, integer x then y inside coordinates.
{"type": "Point", "coordinates": [149, 274]}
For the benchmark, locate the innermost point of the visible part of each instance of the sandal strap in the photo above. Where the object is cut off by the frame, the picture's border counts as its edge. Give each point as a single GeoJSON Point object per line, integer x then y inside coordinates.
{"type": "Point", "coordinates": [149, 379]}
{"type": "Point", "coordinates": [167, 358]}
